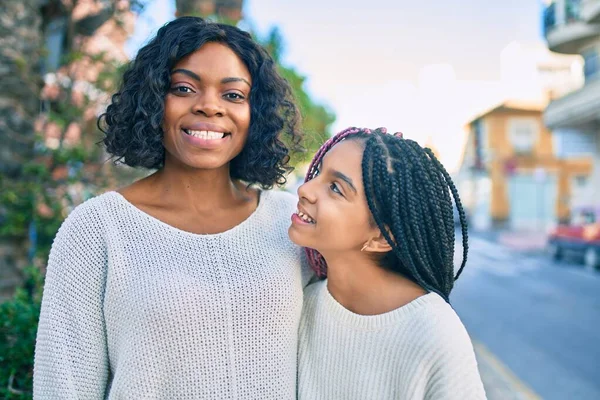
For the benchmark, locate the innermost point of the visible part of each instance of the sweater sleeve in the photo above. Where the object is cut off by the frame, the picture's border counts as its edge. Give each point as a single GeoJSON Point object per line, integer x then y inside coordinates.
{"type": "Point", "coordinates": [454, 373]}
{"type": "Point", "coordinates": [71, 360]}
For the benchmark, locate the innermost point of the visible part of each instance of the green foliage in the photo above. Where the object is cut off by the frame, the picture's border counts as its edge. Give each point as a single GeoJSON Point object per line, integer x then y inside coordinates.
{"type": "Point", "coordinates": [62, 173]}
{"type": "Point", "coordinates": [18, 327]}
{"type": "Point", "coordinates": [316, 118]}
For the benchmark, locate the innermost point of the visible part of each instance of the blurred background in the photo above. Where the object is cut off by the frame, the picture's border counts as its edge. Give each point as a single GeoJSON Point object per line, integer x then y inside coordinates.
{"type": "Point", "coordinates": [507, 94]}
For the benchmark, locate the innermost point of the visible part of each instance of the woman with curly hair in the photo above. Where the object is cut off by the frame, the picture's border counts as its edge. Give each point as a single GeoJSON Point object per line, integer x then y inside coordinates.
{"type": "Point", "coordinates": [184, 284]}
{"type": "Point", "coordinates": [375, 215]}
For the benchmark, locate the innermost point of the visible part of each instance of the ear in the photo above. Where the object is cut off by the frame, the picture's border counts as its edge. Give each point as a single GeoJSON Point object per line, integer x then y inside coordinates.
{"type": "Point", "coordinates": [377, 244]}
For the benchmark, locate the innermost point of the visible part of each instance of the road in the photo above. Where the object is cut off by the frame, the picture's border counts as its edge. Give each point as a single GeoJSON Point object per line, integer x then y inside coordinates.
{"type": "Point", "coordinates": [540, 319]}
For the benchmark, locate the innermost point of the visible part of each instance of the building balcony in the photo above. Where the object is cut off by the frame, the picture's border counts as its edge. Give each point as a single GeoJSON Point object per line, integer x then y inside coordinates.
{"type": "Point", "coordinates": [565, 27]}
{"type": "Point", "coordinates": [590, 11]}
{"type": "Point", "coordinates": [578, 108]}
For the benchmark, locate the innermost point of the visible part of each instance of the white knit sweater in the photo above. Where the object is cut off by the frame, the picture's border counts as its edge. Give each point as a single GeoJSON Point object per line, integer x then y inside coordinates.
{"type": "Point", "coordinates": [418, 351]}
{"type": "Point", "coordinates": [134, 308]}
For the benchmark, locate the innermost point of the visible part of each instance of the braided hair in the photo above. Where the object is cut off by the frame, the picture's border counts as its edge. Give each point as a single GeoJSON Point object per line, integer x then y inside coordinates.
{"type": "Point", "coordinates": [409, 193]}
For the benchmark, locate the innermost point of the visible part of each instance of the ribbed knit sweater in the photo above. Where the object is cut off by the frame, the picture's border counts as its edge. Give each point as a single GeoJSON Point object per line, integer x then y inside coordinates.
{"type": "Point", "coordinates": [134, 308]}
{"type": "Point", "coordinates": [418, 351]}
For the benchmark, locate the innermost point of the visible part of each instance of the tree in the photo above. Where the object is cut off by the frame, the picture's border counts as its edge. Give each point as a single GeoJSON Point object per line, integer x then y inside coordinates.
{"type": "Point", "coordinates": [52, 163]}
{"type": "Point", "coordinates": [316, 118]}
{"type": "Point", "coordinates": [20, 84]}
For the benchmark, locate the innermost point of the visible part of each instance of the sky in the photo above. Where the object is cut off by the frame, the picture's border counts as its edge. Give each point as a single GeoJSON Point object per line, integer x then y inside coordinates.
{"type": "Point", "coordinates": [420, 67]}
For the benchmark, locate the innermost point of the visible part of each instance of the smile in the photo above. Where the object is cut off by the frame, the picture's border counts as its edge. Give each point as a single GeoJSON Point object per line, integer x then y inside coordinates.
{"type": "Point", "coordinates": [205, 135]}
{"type": "Point", "coordinates": [305, 217]}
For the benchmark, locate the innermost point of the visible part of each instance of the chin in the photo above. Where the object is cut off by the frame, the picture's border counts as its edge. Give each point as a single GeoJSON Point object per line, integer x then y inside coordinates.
{"type": "Point", "coordinates": [299, 238]}
{"type": "Point", "coordinates": [294, 236]}
{"type": "Point", "coordinates": [204, 162]}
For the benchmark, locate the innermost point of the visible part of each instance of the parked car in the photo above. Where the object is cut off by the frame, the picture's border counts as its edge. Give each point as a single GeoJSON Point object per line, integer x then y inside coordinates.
{"type": "Point", "coordinates": [581, 236]}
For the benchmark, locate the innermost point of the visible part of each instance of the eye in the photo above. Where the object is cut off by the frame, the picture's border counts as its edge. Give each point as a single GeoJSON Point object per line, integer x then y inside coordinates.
{"type": "Point", "coordinates": [234, 96]}
{"type": "Point", "coordinates": [181, 90]}
{"type": "Point", "coordinates": [335, 188]}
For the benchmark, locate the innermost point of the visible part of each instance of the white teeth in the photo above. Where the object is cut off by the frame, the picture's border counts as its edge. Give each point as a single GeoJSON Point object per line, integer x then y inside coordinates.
{"type": "Point", "coordinates": [206, 135]}
{"type": "Point", "coordinates": [305, 217]}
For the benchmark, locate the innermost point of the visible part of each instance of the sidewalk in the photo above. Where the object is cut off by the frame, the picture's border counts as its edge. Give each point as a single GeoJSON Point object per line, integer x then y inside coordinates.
{"type": "Point", "coordinates": [500, 382]}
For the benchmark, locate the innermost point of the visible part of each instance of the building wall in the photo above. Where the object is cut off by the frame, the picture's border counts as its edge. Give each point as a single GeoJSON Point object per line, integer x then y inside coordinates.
{"type": "Point", "coordinates": [577, 121]}
{"type": "Point", "coordinates": [507, 168]}
{"type": "Point", "coordinates": [588, 193]}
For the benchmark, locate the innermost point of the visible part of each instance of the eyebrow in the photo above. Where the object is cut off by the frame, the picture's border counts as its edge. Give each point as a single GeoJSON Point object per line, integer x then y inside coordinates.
{"type": "Point", "coordinates": [196, 77]}
{"type": "Point", "coordinates": [345, 178]}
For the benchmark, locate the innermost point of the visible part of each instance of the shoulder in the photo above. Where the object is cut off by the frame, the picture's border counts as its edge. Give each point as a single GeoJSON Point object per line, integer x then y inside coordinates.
{"type": "Point", "coordinates": [93, 218]}
{"type": "Point", "coordinates": [440, 319]}
{"type": "Point", "coordinates": [282, 200]}
{"type": "Point", "coordinates": [80, 246]}
{"type": "Point", "coordinates": [90, 213]}
{"type": "Point", "coordinates": [278, 207]}
{"type": "Point", "coordinates": [448, 354]}
{"type": "Point", "coordinates": [442, 332]}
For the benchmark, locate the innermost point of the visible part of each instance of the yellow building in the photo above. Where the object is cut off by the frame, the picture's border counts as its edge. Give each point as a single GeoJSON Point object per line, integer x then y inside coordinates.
{"type": "Point", "coordinates": [510, 175]}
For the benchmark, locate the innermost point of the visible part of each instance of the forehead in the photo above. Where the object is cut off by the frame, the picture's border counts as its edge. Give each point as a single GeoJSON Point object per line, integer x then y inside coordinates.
{"type": "Point", "coordinates": [345, 157]}
{"type": "Point", "coordinates": [215, 56]}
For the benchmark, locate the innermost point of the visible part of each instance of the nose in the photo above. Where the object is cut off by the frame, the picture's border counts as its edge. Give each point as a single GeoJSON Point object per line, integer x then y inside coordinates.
{"type": "Point", "coordinates": [306, 192]}
{"type": "Point", "coordinates": [209, 104]}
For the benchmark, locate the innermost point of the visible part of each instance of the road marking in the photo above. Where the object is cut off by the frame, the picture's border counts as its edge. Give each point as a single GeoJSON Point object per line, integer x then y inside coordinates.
{"type": "Point", "coordinates": [521, 389]}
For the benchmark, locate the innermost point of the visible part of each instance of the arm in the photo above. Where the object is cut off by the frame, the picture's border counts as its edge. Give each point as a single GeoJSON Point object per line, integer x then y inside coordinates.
{"type": "Point", "coordinates": [71, 360]}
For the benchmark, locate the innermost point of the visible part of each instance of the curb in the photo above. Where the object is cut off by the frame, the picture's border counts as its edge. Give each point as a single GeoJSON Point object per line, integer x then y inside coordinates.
{"type": "Point", "coordinates": [499, 381]}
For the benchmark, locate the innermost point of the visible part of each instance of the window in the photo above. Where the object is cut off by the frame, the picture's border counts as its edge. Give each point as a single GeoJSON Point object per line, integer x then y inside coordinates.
{"type": "Point", "coordinates": [581, 181]}
{"type": "Point", "coordinates": [523, 134]}
{"type": "Point", "coordinates": [584, 217]}
{"type": "Point", "coordinates": [572, 10]}
{"type": "Point", "coordinates": [480, 143]}
{"type": "Point", "coordinates": [592, 64]}
{"type": "Point", "coordinates": [55, 36]}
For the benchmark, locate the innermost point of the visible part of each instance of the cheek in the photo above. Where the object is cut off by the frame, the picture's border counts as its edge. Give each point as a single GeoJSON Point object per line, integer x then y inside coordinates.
{"type": "Point", "coordinates": [244, 118]}
{"type": "Point", "coordinates": [170, 113]}
{"type": "Point", "coordinates": [341, 227]}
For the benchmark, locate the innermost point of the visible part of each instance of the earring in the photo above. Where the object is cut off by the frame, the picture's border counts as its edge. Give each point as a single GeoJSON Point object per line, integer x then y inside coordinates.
{"type": "Point", "coordinates": [365, 246]}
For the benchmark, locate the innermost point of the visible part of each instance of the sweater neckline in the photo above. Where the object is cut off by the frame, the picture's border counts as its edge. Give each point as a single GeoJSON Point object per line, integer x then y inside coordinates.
{"type": "Point", "coordinates": [375, 321]}
{"type": "Point", "coordinates": [264, 197]}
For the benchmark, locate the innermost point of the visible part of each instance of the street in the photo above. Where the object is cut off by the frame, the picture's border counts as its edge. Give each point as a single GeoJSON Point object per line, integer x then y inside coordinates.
{"type": "Point", "coordinates": [539, 319]}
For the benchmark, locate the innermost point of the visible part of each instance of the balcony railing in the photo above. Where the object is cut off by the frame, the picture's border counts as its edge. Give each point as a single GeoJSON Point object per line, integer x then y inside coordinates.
{"type": "Point", "coordinates": [570, 11]}
{"type": "Point", "coordinates": [549, 18]}
{"type": "Point", "coordinates": [590, 10]}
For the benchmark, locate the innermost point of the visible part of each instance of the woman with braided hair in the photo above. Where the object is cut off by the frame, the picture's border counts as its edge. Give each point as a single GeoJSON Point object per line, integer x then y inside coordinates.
{"type": "Point", "coordinates": [375, 215]}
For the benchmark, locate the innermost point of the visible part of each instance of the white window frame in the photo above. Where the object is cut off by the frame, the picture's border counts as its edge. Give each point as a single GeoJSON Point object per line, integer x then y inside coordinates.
{"type": "Point", "coordinates": [520, 122]}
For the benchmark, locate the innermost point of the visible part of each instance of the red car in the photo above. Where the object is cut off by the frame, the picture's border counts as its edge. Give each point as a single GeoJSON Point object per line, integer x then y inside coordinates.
{"type": "Point", "coordinates": [581, 236]}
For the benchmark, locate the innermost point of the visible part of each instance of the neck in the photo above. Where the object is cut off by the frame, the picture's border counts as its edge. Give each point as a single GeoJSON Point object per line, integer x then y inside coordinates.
{"type": "Point", "coordinates": [363, 287]}
{"type": "Point", "coordinates": [204, 190]}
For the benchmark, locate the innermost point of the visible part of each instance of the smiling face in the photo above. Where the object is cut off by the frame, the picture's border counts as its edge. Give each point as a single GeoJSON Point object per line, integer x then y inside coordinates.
{"type": "Point", "coordinates": [333, 215]}
{"type": "Point", "coordinates": [207, 113]}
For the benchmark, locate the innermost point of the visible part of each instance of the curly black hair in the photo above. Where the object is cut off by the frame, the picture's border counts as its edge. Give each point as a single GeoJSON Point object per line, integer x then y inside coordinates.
{"type": "Point", "coordinates": [132, 122]}
{"type": "Point", "coordinates": [409, 194]}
